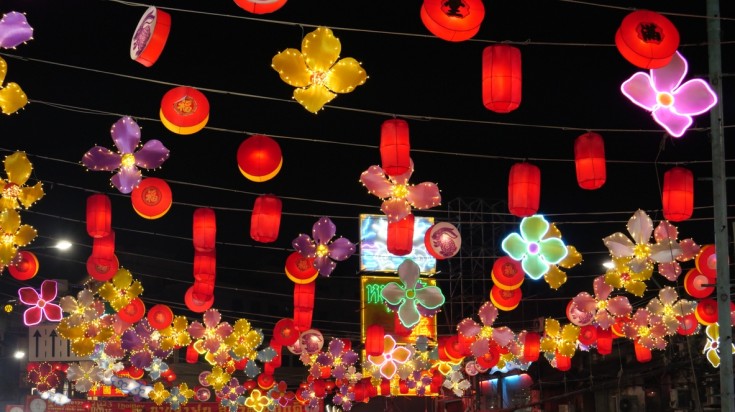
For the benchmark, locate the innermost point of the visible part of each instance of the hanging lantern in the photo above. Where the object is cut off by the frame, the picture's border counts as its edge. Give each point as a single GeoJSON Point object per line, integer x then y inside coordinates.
{"type": "Point", "coordinates": [531, 347]}
{"type": "Point", "coordinates": [563, 363]}
{"type": "Point", "coordinates": [300, 269]}
{"type": "Point", "coordinates": [678, 194]}
{"type": "Point", "coordinates": [604, 341]}
{"type": "Point", "coordinates": [706, 311]}
{"type": "Point", "coordinates": [400, 236]}
{"type": "Point", "coordinates": [490, 358]}
{"type": "Point", "coordinates": [24, 266]}
{"type": "Point", "coordinates": [133, 312]}
{"type": "Point", "coordinates": [266, 219]}
{"type": "Point", "coordinates": [706, 261]}
{"type": "Point", "coordinates": [501, 78]}
{"type": "Point", "coordinates": [99, 215]}
{"type": "Point", "coordinates": [192, 356]}
{"type": "Point", "coordinates": [374, 338]}
{"type": "Point", "coordinates": [150, 36]}
{"type": "Point", "coordinates": [442, 240]}
{"type": "Point", "coordinates": [152, 198]}
{"type": "Point", "coordinates": [102, 269]}
{"type": "Point", "coordinates": [524, 189]}
{"type": "Point", "coordinates": [506, 300]}
{"type": "Point", "coordinates": [302, 319]}
{"type": "Point", "coordinates": [266, 381]}
{"type": "Point", "coordinates": [204, 229]}
{"type": "Point", "coordinates": [198, 302]}
{"type": "Point", "coordinates": [160, 316]}
{"type": "Point", "coordinates": [694, 284]}
{"type": "Point", "coordinates": [642, 353]}
{"type": "Point", "coordinates": [647, 39]}
{"type": "Point", "coordinates": [395, 147]}
{"type": "Point", "coordinates": [184, 110]}
{"type": "Point", "coordinates": [303, 295]}
{"type": "Point", "coordinates": [507, 273]}
{"type": "Point", "coordinates": [278, 359]}
{"type": "Point", "coordinates": [205, 266]}
{"type": "Point", "coordinates": [453, 348]}
{"type": "Point", "coordinates": [587, 335]}
{"type": "Point", "coordinates": [589, 161]}
{"type": "Point", "coordinates": [453, 20]}
{"type": "Point", "coordinates": [260, 6]}
{"type": "Point", "coordinates": [688, 324]}
{"type": "Point", "coordinates": [259, 158]}
{"type": "Point", "coordinates": [284, 332]}
{"type": "Point", "coordinates": [104, 247]}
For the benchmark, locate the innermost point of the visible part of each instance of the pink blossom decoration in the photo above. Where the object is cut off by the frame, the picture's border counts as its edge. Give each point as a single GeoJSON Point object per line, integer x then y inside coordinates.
{"type": "Point", "coordinates": [41, 303]}
{"type": "Point", "coordinates": [602, 307]}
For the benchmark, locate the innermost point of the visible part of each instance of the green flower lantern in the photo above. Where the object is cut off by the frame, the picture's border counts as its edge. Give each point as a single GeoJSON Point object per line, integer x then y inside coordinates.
{"type": "Point", "coordinates": [536, 253]}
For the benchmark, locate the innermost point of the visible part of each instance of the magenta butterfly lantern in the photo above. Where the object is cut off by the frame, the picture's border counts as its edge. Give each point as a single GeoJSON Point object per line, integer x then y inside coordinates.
{"type": "Point", "coordinates": [40, 303]}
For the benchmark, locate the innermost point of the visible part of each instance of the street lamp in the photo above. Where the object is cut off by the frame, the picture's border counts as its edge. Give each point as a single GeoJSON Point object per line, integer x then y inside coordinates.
{"type": "Point", "coordinates": [63, 244]}
{"type": "Point", "coordinates": [19, 354]}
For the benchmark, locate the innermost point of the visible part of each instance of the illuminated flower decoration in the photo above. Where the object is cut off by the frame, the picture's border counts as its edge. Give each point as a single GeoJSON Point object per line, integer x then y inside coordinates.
{"type": "Point", "coordinates": [231, 395]}
{"type": "Point", "coordinates": [602, 307]}
{"type": "Point", "coordinates": [482, 335]}
{"type": "Point", "coordinates": [337, 358]}
{"type": "Point", "coordinates": [217, 378]}
{"type": "Point", "coordinates": [179, 396]}
{"type": "Point", "coordinates": [671, 103]}
{"type": "Point", "coordinates": [12, 97]}
{"type": "Point", "coordinates": [175, 335]}
{"type": "Point", "coordinates": [392, 356]}
{"type": "Point", "coordinates": [14, 190]}
{"type": "Point", "coordinates": [647, 328]}
{"type": "Point", "coordinates": [281, 396]}
{"type": "Point", "coordinates": [155, 369]}
{"type": "Point", "coordinates": [536, 253]}
{"type": "Point", "coordinates": [668, 307]}
{"type": "Point", "coordinates": [85, 308]}
{"type": "Point", "coordinates": [315, 70]}
{"type": "Point", "coordinates": [159, 394]}
{"type": "Point", "coordinates": [321, 248]}
{"type": "Point", "coordinates": [85, 374]}
{"type": "Point", "coordinates": [309, 397]}
{"type": "Point", "coordinates": [672, 251]}
{"type": "Point", "coordinates": [353, 374]}
{"type": "Point", "coordinates": [44, 377]}
{"type": "Point", "coordinates": [344, 397]}
{"type": "Point", "coordinates": [712, 346]}
{"type": "Point", "coordinates": [14, 30]}
{"type": "Point", "coordinates": [409, 296]}
{"type": "Point", "coordinates": [397, 194]}
{"type": "Point", "coordinates": [257, 400]}
{"type": "Point", "coordinates": [108, 364]}
{"type": "Point", "coordinates": [126, 135]}
{"type": "Point", "coordinates": [143, 344]}
{"type": "Point", "coordinates": [13, 235]}
{"type": "Point", "coordinates": [86, 335]}
{"type": "Point", "coordinates": [556, 277]}
{"type": "Point", "coordinates": [621, 276]}
{"type": "Point", "coordinates": [457, 383]}
{"type": "Point", "coordinates": [120, 290]}
{"type": "Point", "coordinates": [212, 332]}
{"type": "Point", "coordinates": [559, 339]}
{"type": "Point", "coordinates": [41, 306]}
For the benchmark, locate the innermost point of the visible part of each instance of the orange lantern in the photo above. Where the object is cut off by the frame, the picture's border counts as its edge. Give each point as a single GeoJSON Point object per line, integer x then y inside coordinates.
{"type": "Point", "coordinates": [152, 198]}
{"type": "Point", "coordinates": [192, 356]}
{"type": "Point", "coordinates": [507, 273]}
{"type": "Point", "coordinates": [563, 363]}
{"type": "Point", "coordinates": [260, 6]}
{"type": "Point", "coordinates": [506, 300]}
{"type": "Point", "coordinates": [302, 319]}
{"type": "Point", "coordinates": [678, 194]}
{"type": "Point", "coordinates": [204, 229]}
{"type": "Point", "coordinates": [395, 147]}
{"type": "Point", "coordinates": [184, 110]}
{"type": "Point", "coordinates": [706, 311]}
{"type": "Point", "coordinates": [24, 266]}
{"type": "Point", "coordinates": [198, 302]}
{"type": "Point", "coordinates": [374, 337]}
{"type": "Point", "coordinates": [150, 36]}
{"type": "Point", "coordinates": [524, 189]}
{"type": "Point", "coordinates": [642, 353]}
{"type": "Point", "coordinates": [133, 312]}
{"type": "Point", "coordinates": [587, 335]}
{"type": "Point", "coordinates": [104, 247]}
{"type": "Point", "coordinates": [706, 261]}
{"type": "Point", "coordinates": [531, 347]}
{"type": "Point", "coordinates": [604, 341]}
{"type": "Point", "coordinates": [160, 316]}
{"type": "Point", "coordinates": [400, 236]}
{"type": "Point", "coordinates": [647, 39]}
{"type": "Point", "coordinates": [259, 158]}
{"type": "Point", "coordinates": [501, 78]}
{"type": "Point", "coordinates": [453, 20]}
{"type": "Point", "coordinates": [284, 333]}
{"type": "Point", "coordinates": [589, 161]}
{"type": "Point", "coordinates": [99, 215]}
{"type": "Point", "coordinates": [205, 266]}
{"type": "Point", "coordinates": [303, 295]}
{"type": "Point", "coordinates": [102, 269]}
{"type": "Point", "coordinates": [698, 285]}
{"type": "Point", "coordinates": [266, 219]}
{"type": "Point", "coordinates": [300, 269]}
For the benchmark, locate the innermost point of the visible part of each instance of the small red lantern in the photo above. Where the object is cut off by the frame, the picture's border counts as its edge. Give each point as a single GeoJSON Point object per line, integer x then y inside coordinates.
{"type": "Point", "coordinates": [184, 110]}
{"type": "Point", "coordinates": [453, 348]}
{"type": "Point", "coordinates": [205, 266]}
{"type": "Point", "coordinates": [506, 300]}
{"type": "Point", "coordinates": [204, 229]}
{"type": "Point", "coordinates": [266, 219]}
{"type": "Point", "coordinates": [160, 316]}
{"type": "Point", "coordinates": [259, 158]}
{"type": "Point", "coordinates": [400, 236]}
{"type": "Point", "coordinates": [303, 295]}
{"type": "Point", "coordinates": [531, 347]}
{"type": "Point", "coordinates": [403, 386]}
{"type": "Point", "coordinates": [150, 36]}
{"type": "Point", "coordinates": [453, 20]}
{"type": "Point", "coordinates": [604, 341]}
{"type": "Point", "coordinates": [384, 387]}
{"type": "Point", "coordinates": [374, 337]}
{"type": "Point", "coordinates": [706, 261]}
{"type": "Point", "coordinates": [642, 353]}
{"type": "Point", "coordinates": [524, 189]}
{"type": "Point", "coordinates": [300, 269]}
{"type": "Point", "coordinates": [694, 284]}
{"type": "Point", "coordinates": [192, 356]}
{"type": "Point", "coordinates": [395, 147]}
{"type": "Point", "coordinates": [260, 6]}
{"type": "Point", "coordinates": [284, 333]}
{"type": "Point", "coordinates": [102, 269]}
{"type": "Point", "coordinates": [266, 381]}
{"type": "Point", "coordinates": [442, 240]}
{"type": "Point", "coordinates": [133, 312]}
{"type": "Point", "coordinates": [491, 358]}
{"type": "Point", "coordinates": [588, 335]}
{"type": "Point", "coordinates": [563, 363]}
{"type": "Point", "coordinates": [589, 161]}
{"type": "Point", "coordinates": [688, 324]}
{"type": "Point", "coordinates": [104, 247]}
{"type": "Point", "coordinates": [99, 215]}
{"type": "Point", "coordinates": [24, 266]}
{"type": "Point", "coordinates": [507, 273]}
{"type": "Point", "coordinates": [199, 303]}
{"type": "Point", "coordinates": [302, 319]}
{"type": "Point", "coordinates": [647, 39]}
{"type": "Point", "coordinates": [678, 194]}
{"type": "Point", "coordinates": [152, 198]}
{"type": "Point", "coordinates": [501, 78]}
{"type": "Point", "coordinates": [706, 311]}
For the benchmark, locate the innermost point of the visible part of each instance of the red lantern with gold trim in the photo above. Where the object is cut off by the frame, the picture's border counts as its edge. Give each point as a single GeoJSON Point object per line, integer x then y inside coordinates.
{"type": "Point", "coordinates": [284, 333]}
{"type": "Point", "coordinates": [184, 110]}
{"type": "Point", "coordinates": [453, 20]}
{"type": "Point", "coordinates": [524, 189]}
{"type": "Point", "coordinates": [501, 78]}
{"type": "Point", "coordinates": [160, 316]}
{"type": "Point", "coordinates": [604, 341]}
{"type": "Point", "coordinates": [642, 353]}
{"type": "Point", "coordinates": [374, 337]}
{"type": "Point", "coordinates": [260, 6]}
{"type": "Point", "coordinates": [678, 194]}
{"type": "Point", "coordinates": [150, 36]}
{"type": "Point", "coordinates": [507, 273]}
{"type": "Point", "coordinates": [198, 302]}
{"type": "Point", "coordinates": [104, 247]}
{"type": "Point", "coordinates": [152, 198]}
{"type": "Point", "coordinates": [266, 381]}
{"type": "Point", "coordinates": [204, 229]}
{"type": "Point", "coordinates": [589, 161]}
{"type": "Point", "coordinates": [400, 236]}
{"type": "Point", "coordinates": [99, 215]}
{"type": "Point", "coordinates": [706, 261]}
{"type": "Point", "coordinates": [266, 219]}
{"type": "Point", "coordinates": [506, 300]}
{"type": "Point", "coordinates": [531, 347]}
{"type": "Point", "coordinates": [647, 39]}
{"type": "Point", "coordinates": [133, 312]}
{"type": "Point", "coordinates": [24, 266]}
{"type": "Point", "coordinates": [694, 284]}
{"type": "Point", "coordinates": [706, 311]}
{"type": "Point", "coordinates": [300, 269]}
{"type": "Point", "coordinates": [395, 147]}
{"type": "Point", "coordinates": [102, 269]}
{"type": "Point", "coordinates": [259, 158]}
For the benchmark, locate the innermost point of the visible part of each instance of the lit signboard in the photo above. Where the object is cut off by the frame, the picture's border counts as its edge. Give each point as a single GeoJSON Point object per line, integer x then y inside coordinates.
{"type": "Point", "coordinates": [374, 255]}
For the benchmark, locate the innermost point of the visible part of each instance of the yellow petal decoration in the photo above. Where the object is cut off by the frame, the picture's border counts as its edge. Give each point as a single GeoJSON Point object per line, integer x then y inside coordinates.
{"type": "Point", "coordinates": [159, 394]}
{"type": "Point", "coordinates": [13, 235]}
{"type": "Point", "coordinates": [186, 393]}
{"type": "Point", "coordinates": [555, 277]}
{"type": "Point", "coordinates": [257, 401]}
{"type": "Point", "coordinates": [120, 290]}
{"type": "Point", "coordinates": [572, 259]}
{"type": "Point", "coordinates": [18, 169]}
{"type": "Point", "coordinates": [175, 335]}
{"type": "Point", "coordinates": [558, 339]}
{"type": "Point", "coordinates": [316, 71]}
{"type": "Point", "coordinates": [12, 97]}
{"type": "Point", "coordinates": [218, 378]}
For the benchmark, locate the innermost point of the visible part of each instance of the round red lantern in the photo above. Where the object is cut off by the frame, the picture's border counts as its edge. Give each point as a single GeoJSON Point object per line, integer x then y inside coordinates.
{"type": "Point", "coordinates": [604, 341]}
{"type": "Point", "coordinates": [99, 215]}
{"type": "Point", "coordinates": [259, 158]}
{"type": "Point", "coordinates": [706, 311]}
{"type": "Point", "coordinates": [588, 335]}
{"type": "Point", "coordinates": [524, 189]}
{"type": "Point", "coordinates": [647, 39]}
{"type": "Point", "coordinates": [133, 312]}
{"type": "Point", "coordinates": [688, 324]}
{"type": "Point", "coordinates": [266, 381]}
{"type": "Point", "coordinates": [507, 273]}
{"type": "Point", "coordinates": [589, 161]}
{"type": "Point", "coordinates": [442, 240]}
{"type": "Point", "coordinates": [260, 6]}
{"type": "Point", "coordinates": [642, 353]}
{"type": "Point", "coordinates": [400, 236]}
{"type": "Point", "coordinates": [152, 198]}
{"type": "Point", "coordinates": [374, 337]}
{"type": "Point", "coordinates": [184, 110]}
{"type": "Point", "coordinates": [160, 316]}
{"type": "Point", "coordinates": [302, 319]}
{"type": "Point", "coordinates": [104, 247]}
{"type": "Point", "coordinates": [150, 36]}
{"type": "Point", "coordinates": [694, 284]}
{"type": "Point", "coordinates": [266, 219]}
{"type": "Point", "coordinates": [506, 300]}
{"type": "Point", "coordinates": [284, 333]}
{"type": "Point", "coordinates": [192, 356]}
{"type": "Point", "coordinates": [453, 348]}
{"type": "Point", "coordinates": [205, 266]}
{"type": "Point", "coordinates": [678, 194]}
{"type": "Point", "coordinates": [24, 265]}
{"type": "Point", "coordinates": [199, 303]}
{"type": "Point", "coordinates": [453, 20]}
{"type": "Point", "coordinates": [395, 147]}
{"type": "Point", "coordinates": [300, 269]}
{"type": "Point", "coordinates": [102, 269]}
{"type": "Point", "coordinates": [706, 261]}
{"type": "Point", "coordinates": [563, 363]}
{"type": "Point", "coordinates": [501, 78]}
{"type": "Point", "coordinates": [531, 347]}
{"type": "Point", "coordinates": [204, 229]}
{"type": "Point", "coordinates": [490, 358]}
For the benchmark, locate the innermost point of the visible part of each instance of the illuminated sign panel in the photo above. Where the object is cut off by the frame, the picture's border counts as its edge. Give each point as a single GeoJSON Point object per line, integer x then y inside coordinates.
{"type": "Point", "coordinates": [374, 255]}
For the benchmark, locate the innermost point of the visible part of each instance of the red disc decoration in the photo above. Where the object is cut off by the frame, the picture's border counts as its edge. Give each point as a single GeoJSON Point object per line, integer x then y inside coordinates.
{"type": "Point", "coordinates": [104, 247]}
{"type": "Point", "coordinates": [647, 39]}
{"type": "Point", "coordinates": [260, 6]}
{"type": "Point", "coordinates": [400, 236]}
{"type": "Point", "coordinates": [102, 269]}
{"type": "Point", "coordinates": [204, 229]}
{"type": "Point", "coordinates": [507, 273]}
{"type": "Point", "coordinates": [150, 36]}
{"type": "Point", "coordinates": [678, 194]}
{"type": "Point", "coordinates": [24, 266]}
{"type": "Point", "coordinates": [506, 300]}
{"type": "Point", "coordinates": [192, 356]}
{"type": "Point", "coordinates": [443, 240]}
{"type": "Point", "coordinates": [501, 78]}
{"type": "Point", "coordinates": [688, 324]}
{"type": "Point", "coordinates": [589, 161]}
{"type": "Point", "coordinates": [152, 198]}
{"type": "Point", "coordinates": [133, 312]}
{"type": "Point", "coordinates": [706, 261]}
{"type": "Point", "coordinates": [563, 363]}
{"type": "Point", "coordinates": [694, 284]}
{"type": "Point", "coordinates": [259, 158]}
{"type": "Point", "coordinates": [184, 110]}
{"type": "Point", "coordinates": [588, 335]}
{"type": "Point", "coordinates": [524, 189]}
{"type": "Point", "coordinates": [266, 219]}
{"type": "Point", "coordinates": [642, 353]}
{"type": "Point", "coordinates": [160, 316]}
{"type": "Point", "coordinates": [395, 147]}
{"type": "Point", "coordinates": [604, 341]}
{"type": "Point", "coordinates": [197, 304]}
{"type": "Point", "coordinates": [205, 266]}
{"type": "Point", "coordinates": [453, 349]}
{"type": "Point", "coordinates": [531, 347]}
{"type": "Point", "coordinates": [489, 359]}
{"type": "Point", "coordinates": [300, 269]}
{"type": "Point", "coordinates": [706, 311]}
{"type": "Point", "coordinates": [284, 332]}
{"type": "Point", "coordinates": [99, 215]}
{"type": "Point", "coordinates": [374, 336]}
{"type": "Point", "coordinates": [453, 20]}
{"type": "Point", "coordinates": [266, 381]}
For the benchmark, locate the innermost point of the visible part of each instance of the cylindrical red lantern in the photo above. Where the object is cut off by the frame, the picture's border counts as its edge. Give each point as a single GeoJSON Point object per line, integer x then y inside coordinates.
{"type": "Point", "coordinates": [395, 147]}
{"type": "Point", "coordinates": [589, 161]}
{"type": "Point", "coordinates": [24, 265]}
{"type": "Point", "coordinates": [642, 353]}
{"type": "Point", "coordinates": [204, 229]}
{"type": "Point", "coordinates": [453, 20]}
{"type": "Point", "coordinates": [260, 6]}
{"type": "Point", "coordinates": [588, 335]}
{"type": "Point", "coordinates": [160, 316]}
{"type": "Point", "coordinates": [506, 300]}
{"type": "Point", "coordinates": [678, 194]}
{"type": "Point", "coordinates": [150, 36]}
{"type": "Point", "coordinates": [501, 78]}
{"type": "Point", "coordinates": [266, 219]}
{"type": "Point", "coordinates": [647, 39]}
{"type": "Point", "coordinates": [303, 295]}
{"type": "Point", "coordinates": [531, 347]}
{"type": "Point", "coordinates": [302, 319]}
{"type": "Point", "coordinates": [99, 215]}
{"type": "Point", "coordinates": [374, 337]}
{"type": "Point", "coordinates": [284, 333]}
{"type": "Point", "coordinates": [184, 110]}
{"type": "Point", "coordinates": [300, 269]}
{"type": "Point", "coordinates": [104, 247]}
{"type": "Point", "coordinates": [259, 158]}
{"type": "Point", "coordinates": [277, 347]}
{"type": "Point", "coordinates": [205, 266]}
{"type": "Point", "coordinates": [384, 387]}
{"type": "Point", "coordinates": [400, 236]}
{"type": "Point", "coordinates": [152, 198]}
{"type": "Point", "coordinates": [563, 363]}
{"type": "Point", "coordinates": [604, 341]}
{"type": "Point", "coordinates": [198, 302]}
{"type": "Point", "coordinates": [192, 356]}
{"type": "Point", "coordinates": [524, 189]}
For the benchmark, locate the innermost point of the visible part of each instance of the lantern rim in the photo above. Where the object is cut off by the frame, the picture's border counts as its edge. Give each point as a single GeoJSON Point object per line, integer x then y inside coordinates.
{"type": "Point", "coordinates": [153, 48]}
{"type": "Point", "coordinates": [196, 305]}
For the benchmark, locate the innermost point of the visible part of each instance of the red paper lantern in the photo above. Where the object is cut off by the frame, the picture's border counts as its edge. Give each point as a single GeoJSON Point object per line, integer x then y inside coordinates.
{"type": "Point", "coordinates": [501, 78]}
{"type": "Point", "coordinates": [589, 161]}
{"type": "Point", "coordinates": [491, 358]}
{"type": "Point", "coordinates": [400, 236]}
{"type": "Point", "coordinates": [184, 110]}
{"type": "Point", "coordinates": [507, 273]}
{"type": "Point", "coordinates": [604, 341]}
{"type": "Point", "coordinates": [647, 39]}
{"type": "Point", "coordinates": [266, 381]}
{"type": "Point", "coordinates": [688, 324]}
{"type": "Point", "coordinates": [152, 198]}
{"type": "Point", "coordinates": [453, 348]}
{"type": "Point", "coordinates": [303, 295]}
{"type": "Point", "coordinates": [384, 387]}
{"type": "Point", "coordinates": [642, 353]}
{"type": "Point", "coordinates": [395, 147]}
{"type": "Point", "coordinates": [524, 189]}
{"type": "Point", "coordinates": [563, 363]}
{"type": "Point", "coordinates": [678, 194]}
{"type": "Point", "coordinates": [192, 356]}
{"type": "Point", "coordinates": [205, 266]}
{"type": "Point", "coordinates": [260, 6]}
{"type": "Point", "coordinates": [706, 261]}
{"type": "Point", "coordinates": [300, 269]}
{"type": "Point", "coordinates": [302, 319]}
{"type": "Point", "coordinates": [506, 300]}
{"type": "Point", "coordinates": [104, 247]}
{"type": "Point", "coordinates": [442, 240]}
{"type": "Point", "coordinates": [453, 20]}
{"type": "Point", "coordinates": [284, 333]}
{"type": "Point", "coordinates": [204, 229]}
{"type": "Point", "coordinates": [588, 335]}
{"type": "Point", "coordinates": [24, 266]}
{"type": "Point", "coordinates": [374, 337]}
{"type": "Point", "coordinates": [160, 316]}
{"type": "Point", "coordinates": [150, 36]}
{"type": "Point", "coordinates": [259, 158]}
{"type": "Point", "coordinates": [133, 312]}
{"type": "Point", "coordinates": [694, 284]}
{"type": "Point", "coordinates": [403, 386]}
{"type": "Point", "coordinates": [706, 311]}
{"type": "Point", "coordinates": [102, 269]}
{"type": "Point", "coordinates": [199, 303]}
{"type": "Point", "coordinates": [99, 215]}
{"type": "Point", "coordinates": [531, 347]}
{"type": "Point", "coordinates": [266, 219]}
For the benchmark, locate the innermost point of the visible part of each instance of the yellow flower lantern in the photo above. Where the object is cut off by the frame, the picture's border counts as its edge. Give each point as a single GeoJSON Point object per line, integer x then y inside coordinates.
{"type": "Point", "coordinates": [12, 97]}
{"type": "Point", "coordinates": [14, 190]}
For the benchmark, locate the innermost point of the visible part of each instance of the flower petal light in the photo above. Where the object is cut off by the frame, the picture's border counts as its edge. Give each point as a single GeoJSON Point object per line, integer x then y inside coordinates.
{"type": "Point", "coordinates": [410, 295]}
{"type": "Point", "coordinates": [41, 306]}
{"type": "Point", "coordinates": [321, 248]}
{"type": "Point", "coordinates": [536, 253]}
